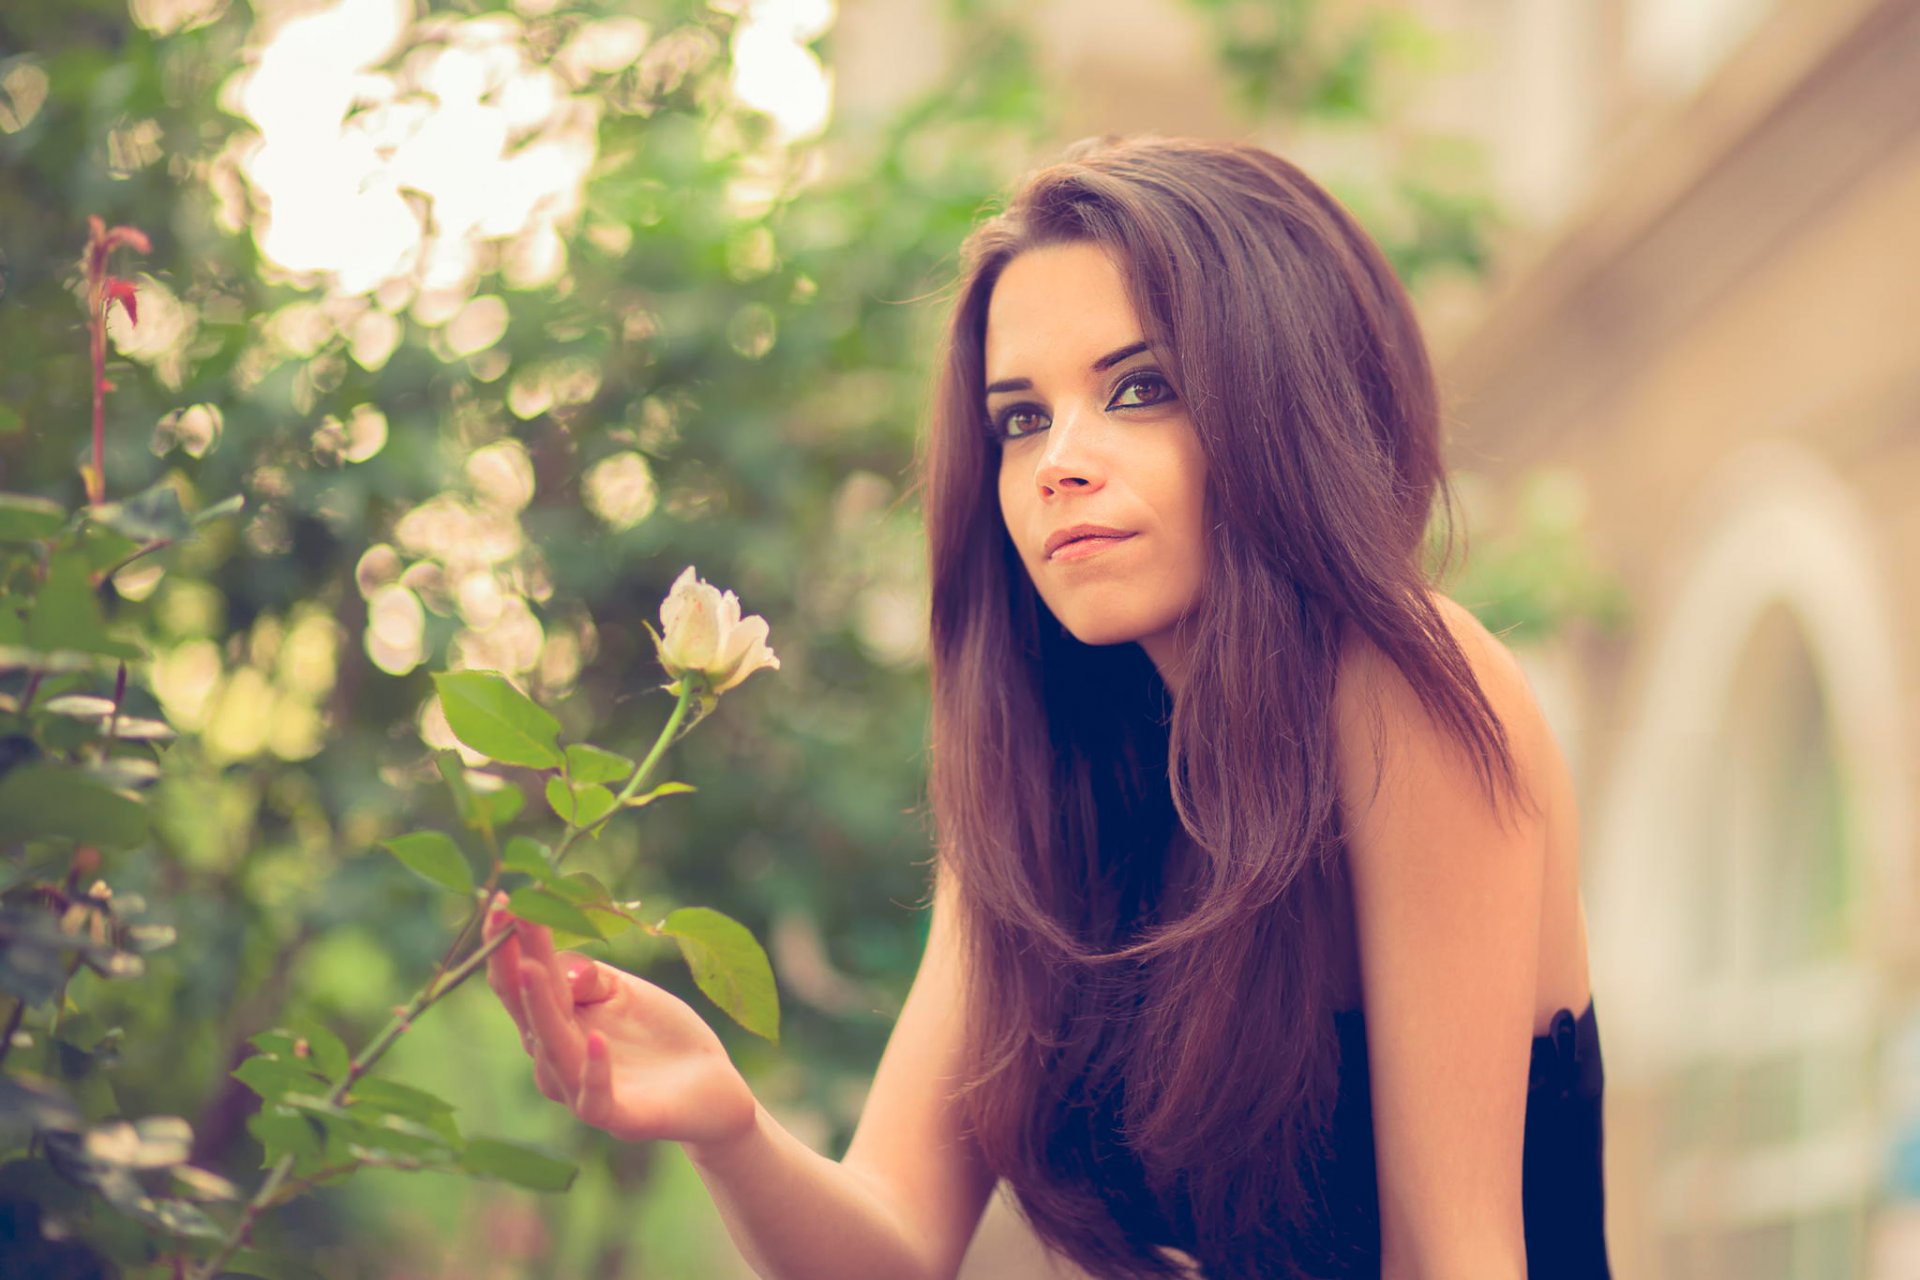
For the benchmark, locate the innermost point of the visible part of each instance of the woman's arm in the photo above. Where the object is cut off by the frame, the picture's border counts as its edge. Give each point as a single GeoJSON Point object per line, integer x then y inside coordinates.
{"type": "Point", "coordinates": [631, 1059]}
{"type": "Point", "coordinates": [906, 1200]}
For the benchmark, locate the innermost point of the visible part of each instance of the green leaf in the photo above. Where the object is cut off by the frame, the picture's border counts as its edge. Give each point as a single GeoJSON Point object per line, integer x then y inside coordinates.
{"type": "Point", "coordinates": [495, 806]}
{"type": "Point", "coordinates": [588, 763]}
{"type": "Point", "coordinates": [24, 518]}
{"type": "Point", "coordinates": [66, 613]}
{"type": "Point", "coordinates": [325, 1050]}
{"type": "Point", "coordinates": [45, 800]}
{"type": "Point", "coordinates": [582, 806]}
{"type": "Point", "coordinates": [522, 1165]}
{"type": "Point", "coordinates": [528, 856]}
{"type": "Point", "coordinates": [423, 1108]}
{"type": "Point", "coordinates": [274, 1078]}
{"type": "Point", "coordinates": [282, 1131]}
{"type": "Point", "coordinates": [582, 888]}
{"type": "Point", "coordinates": [455, 773]}
{"type": "Point", "coordinates": [664, 789]}
{"type": "Point", "coordinates": [497, 720]}
{"type": "Point", "coordinates": [153, 514]}
{"type": "Point", "coordinates": [609, 922]}
{"type": "Point", "coordinates": [276, 1043]}
{"type": "Point", "coordinates": [542, 907]}
{"type": "Point", "coordinates": [729, 966]}
{"type": "Point", "coordinates": [434, 855]}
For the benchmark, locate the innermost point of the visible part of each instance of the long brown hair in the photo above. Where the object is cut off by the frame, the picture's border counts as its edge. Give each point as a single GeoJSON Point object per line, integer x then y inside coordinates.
{"type": "Point", "coordinates": [1143, 882]}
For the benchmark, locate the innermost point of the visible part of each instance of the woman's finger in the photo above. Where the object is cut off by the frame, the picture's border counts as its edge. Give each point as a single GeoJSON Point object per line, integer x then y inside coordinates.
{"type": "Point", "coordinates": [503, 966]}
{"type": "Point", "coordinates": [543, 1080]}
{"type": "Point", "coordinates": [560, 1039]}
{"type": "Point", "coordinates": [588, 981]}
{"type": "Point", "coordinates": [594, 1101]}
{"type": "Point", "coordinates": [536, 944]}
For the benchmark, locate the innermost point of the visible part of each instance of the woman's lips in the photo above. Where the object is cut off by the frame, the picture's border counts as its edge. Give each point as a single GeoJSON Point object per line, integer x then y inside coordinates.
{"type": "Point", "coordinates": [1092, 545]}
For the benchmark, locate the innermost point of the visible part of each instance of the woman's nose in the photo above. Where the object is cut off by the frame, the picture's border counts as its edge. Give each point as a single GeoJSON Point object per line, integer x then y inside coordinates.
{"type": "Point", "coordinates": [1071, 460]}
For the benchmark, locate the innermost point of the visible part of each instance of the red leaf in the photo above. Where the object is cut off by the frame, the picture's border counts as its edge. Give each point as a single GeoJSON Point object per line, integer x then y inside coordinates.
{"type": "Point", "coordinates": [121, 291]}
{"type": "Point", "coordinates": [132, 236]}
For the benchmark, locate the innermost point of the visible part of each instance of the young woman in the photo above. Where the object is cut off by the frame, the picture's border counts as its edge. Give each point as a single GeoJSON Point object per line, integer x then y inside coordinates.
{"type": "Point", "coordinates": [1257, 940]}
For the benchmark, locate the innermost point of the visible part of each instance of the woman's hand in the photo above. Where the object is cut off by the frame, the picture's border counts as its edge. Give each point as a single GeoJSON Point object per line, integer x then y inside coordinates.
{"type": "Point", "coordinates": [621, 1053]}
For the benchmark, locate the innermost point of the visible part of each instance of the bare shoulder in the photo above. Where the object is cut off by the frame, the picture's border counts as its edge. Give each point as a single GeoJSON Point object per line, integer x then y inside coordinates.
{"type": "Point", "coordinates": [1375, 704]}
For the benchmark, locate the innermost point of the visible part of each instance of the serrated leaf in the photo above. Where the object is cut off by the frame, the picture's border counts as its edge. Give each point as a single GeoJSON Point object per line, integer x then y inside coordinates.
{"type": "Point", "coordinates": [433, 854]}
{"type": "Point", "coordinates": [24, 518]}
{"type": "Point", "coordinates": [588, 763]}
{"type": "Point", "coordinates": [417, 1105]}
{"type": "Point", "coordinates": [541, 907]}
{"type": "Point", "coordinates": [492, 717]}
{"type": "Point", "coordinates": [282, 1131]}
{"type": "Point", "coordinates": [529, 857]}
{"type": "Point", "coordinates": [582, 806]}
{"type": "Point", "coordinates": [664, 789]}
{"type": "Point", "coordinates": [44, 799]}
{"type": "Point", "coordinates": [325, 1050]}
{"type": "Point", "coordinates": [522, 1165]}
{"type": "Point", "coordinates": [275, 1078]}
{"type": "Point", "coordinates": [729, 966]}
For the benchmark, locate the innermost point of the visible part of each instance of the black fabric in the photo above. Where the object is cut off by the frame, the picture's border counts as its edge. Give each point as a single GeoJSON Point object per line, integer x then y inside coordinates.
{"type": "Point", "coordinates": [1562, 1179]}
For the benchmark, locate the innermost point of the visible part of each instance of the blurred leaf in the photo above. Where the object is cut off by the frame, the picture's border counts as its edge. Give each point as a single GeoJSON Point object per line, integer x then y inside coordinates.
{"type": "Point", "coordinates": [265, 1266]}
{"type": "Point", "coordinates": [492, 717]}
{"type": "Point", "coordinates": [27, 519]}
{"type": "Point", "coordinates": [495, 805]}
{"type": "Point", "coordinates": [154, 514]}
{"type": "Point", "coordinates": [66, 613]}
{"type": "Point", "coordinates": [225, 507]}
{"type": "Point", "coordinates": [524, 1166]}
{"type": "Point", "coordinates": [156, 1142]}
{"type": "Point", "coordinates": [199, 1184]}
{"type": "Point", "coordinates": [587, 763]}
{"type": "Point", "coordinates": [43, 800]}
{"type": "Point", "coordinates": [434, 855]}
{"type": "Point", "coordinates": [729, 966]}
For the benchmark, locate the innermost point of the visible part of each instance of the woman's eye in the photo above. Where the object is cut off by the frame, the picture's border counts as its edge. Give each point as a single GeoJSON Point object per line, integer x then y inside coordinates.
{"type": "Point", "coordinates": [1152, 385]}
{"type": "Point", "coordinates": [1017, 422]}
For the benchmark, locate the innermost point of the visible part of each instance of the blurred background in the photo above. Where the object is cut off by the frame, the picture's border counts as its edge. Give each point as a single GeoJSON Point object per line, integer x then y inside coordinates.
{"type": "Point", "coordinates": [500, 314]}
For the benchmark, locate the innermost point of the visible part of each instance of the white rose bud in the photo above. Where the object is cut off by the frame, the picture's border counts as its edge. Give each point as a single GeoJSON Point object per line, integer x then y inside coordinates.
{"type": "Point", "coordinates": [703, 632]}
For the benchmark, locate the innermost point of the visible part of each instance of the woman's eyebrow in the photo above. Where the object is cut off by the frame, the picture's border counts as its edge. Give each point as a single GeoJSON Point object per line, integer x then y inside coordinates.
{"type": "Point", "coordinates": [1101, 365]}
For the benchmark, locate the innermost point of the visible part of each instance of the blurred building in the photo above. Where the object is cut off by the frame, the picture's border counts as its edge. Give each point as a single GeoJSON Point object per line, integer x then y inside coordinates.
{"type": "Point", "coordinates": [1706, 308]}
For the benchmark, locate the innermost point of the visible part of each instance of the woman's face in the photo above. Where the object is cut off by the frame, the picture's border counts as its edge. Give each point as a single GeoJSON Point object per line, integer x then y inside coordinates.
{"type": "Point", "coordinates": [1093, 435]}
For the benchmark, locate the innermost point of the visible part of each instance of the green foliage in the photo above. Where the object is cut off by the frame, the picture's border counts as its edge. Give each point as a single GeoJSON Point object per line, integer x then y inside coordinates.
{"type": "Point", "coordinates": [729, 966]}
{"type": "Point", "coordinates": [496, 719]}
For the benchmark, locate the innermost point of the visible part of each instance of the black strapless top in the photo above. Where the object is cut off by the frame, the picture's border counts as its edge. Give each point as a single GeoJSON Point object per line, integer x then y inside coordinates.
{"type": "Point", "coordinates": [1562, 1185]}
